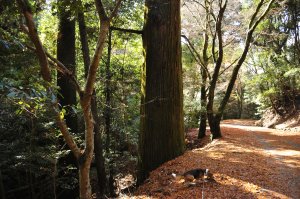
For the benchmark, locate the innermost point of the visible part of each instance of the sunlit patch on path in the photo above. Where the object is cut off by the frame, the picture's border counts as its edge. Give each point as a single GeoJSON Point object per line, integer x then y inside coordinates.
{"type": "Point", "coordinates": [248, 162]}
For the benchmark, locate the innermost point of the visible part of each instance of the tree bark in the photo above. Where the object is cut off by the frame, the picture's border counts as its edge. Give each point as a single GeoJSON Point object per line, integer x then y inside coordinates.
{"type": "Point", "coordinates": [204, 74]}
{"type": "Point", "coordinates": [214, 124]}
{"type": "Point", "coordinates": [66, 55]}
{"type": "Point", "coordinates": [107, 116]}
{"type": "Point", "coordinates": [99, 158]}
{"type": "Point", "coordinates": [203, 115]}
{"type": "Point", "coordinates": [162, 129]}
{"type": "Point", "coordinates": [84, 182]}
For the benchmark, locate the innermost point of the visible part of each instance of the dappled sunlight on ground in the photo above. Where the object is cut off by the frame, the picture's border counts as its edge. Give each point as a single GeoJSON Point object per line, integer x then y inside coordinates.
{"type": "Point", "coordinates": [248, 162]}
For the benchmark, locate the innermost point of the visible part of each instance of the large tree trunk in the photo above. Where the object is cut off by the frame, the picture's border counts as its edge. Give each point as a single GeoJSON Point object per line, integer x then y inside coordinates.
{"type": "Point", "coordinates": [66, 55]}
{"type": "Point", "coordinates": [162, 129]}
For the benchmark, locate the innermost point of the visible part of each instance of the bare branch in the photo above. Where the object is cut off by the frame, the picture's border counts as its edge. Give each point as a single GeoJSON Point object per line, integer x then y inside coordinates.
{"type": "Point", "coordinates": [244, 54]}
{"type": "Point", "coordinates": [127, 30]}
{"type": "Point", "coordinates": [66, 134]}
{"type": "Point", "coordinates": [263, 15]}
{"type": "Point", "coordinates": [89, 87]}
{"type": "Point", "coordinates": [260, 4]}
{"type": "Point", "coordinates": [196, 54]}
{"type": "Point", "coordinates": [226, 68]}
{"type": "Point", "coordinates": [115, 10]}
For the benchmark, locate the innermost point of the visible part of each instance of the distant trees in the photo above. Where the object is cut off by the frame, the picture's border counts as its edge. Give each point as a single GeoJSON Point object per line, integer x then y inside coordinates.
{"type": "Point", "coordinates": [161, 136]}
{"type": "Point", "coordinates": [273, 67]}
{"type": "Point", "coordinates": [215, 33]}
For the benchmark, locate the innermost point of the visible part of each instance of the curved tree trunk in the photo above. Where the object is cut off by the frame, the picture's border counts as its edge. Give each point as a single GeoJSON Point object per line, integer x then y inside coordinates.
{"type": "Point", "coordinates": [162, 129]}
{"type": "Point", "coordinates": [99, 158]}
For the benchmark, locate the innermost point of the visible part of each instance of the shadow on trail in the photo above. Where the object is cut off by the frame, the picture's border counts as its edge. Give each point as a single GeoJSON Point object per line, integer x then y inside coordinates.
{"type": "Point", "coordinates": [248, 162]}
{"type": "Point", "coordinates": [281, 152]}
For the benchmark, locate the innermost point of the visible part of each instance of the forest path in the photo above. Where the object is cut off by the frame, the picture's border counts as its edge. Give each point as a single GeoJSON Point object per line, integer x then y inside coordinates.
{"type": "Point", "coordinates": [248, 162]}
{"type": "Point", "coordinates": [282, 150]}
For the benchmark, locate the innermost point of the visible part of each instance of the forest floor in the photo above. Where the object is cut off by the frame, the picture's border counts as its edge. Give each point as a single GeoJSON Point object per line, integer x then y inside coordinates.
{"type": "Point", "coordinates": [247, 162]}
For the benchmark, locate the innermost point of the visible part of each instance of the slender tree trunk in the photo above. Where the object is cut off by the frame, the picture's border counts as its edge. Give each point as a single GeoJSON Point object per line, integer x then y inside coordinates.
{"type": "Point", "coordinates": [84, 182]}
{"type": "Point", "coordinates": [204, 73]}
{"type": "Point", "coordinates": [162, 129]}
{"type": "Point", "coordinates": [66, 55]}
{"type": "Point", "coordinates": [203, 116]}
{"type": "Point", "coordinates": [99, 158]}
{"type": "Point", "coordinates": [107, 116]}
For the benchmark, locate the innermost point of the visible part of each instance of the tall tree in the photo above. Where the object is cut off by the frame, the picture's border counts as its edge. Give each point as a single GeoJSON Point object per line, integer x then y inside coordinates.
{"type": "Point", "coordinates": [214, 118]}
{"type": "Point", "coordinates": [161, 136]}
{"type": "Point", "coordinates": [99, 157]}
{"type": "Point", "coordinates": [84, 157]}
{"type": "Point", "coordinates": [66, 55]}
{"type": "Point", "coordinates": [217, 15]}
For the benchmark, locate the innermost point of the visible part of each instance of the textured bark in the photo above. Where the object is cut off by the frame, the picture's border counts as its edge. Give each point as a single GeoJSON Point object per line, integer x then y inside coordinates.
{"type": "Point", "coordinates": [84, 182]}
{"type": "Point", "coordinates": [66, 55]}
{"type": "Point", "coordinates": [161, 137]}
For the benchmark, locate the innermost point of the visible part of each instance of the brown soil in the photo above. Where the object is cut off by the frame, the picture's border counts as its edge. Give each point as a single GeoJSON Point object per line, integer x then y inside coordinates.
{"type": "Point", "coordinates": [289, 121]}
{"type": "Point", "coordinates": [248, 162]}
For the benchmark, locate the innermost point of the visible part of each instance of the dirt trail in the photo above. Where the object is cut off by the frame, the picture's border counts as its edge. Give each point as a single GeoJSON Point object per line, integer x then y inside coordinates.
{"type": "Point", "coordinates": [248, 162]}
{"type": "Point", "coordinates": [283, 151]}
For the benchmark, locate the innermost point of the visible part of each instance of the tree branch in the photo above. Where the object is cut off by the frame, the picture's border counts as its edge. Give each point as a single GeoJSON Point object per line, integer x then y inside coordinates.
{"type": "Point", "coordinates": [244, 55]}
{"type": "Point", "coordinates": [32, 33]}
{"type": "Point", "coordinates": [127, 30]}
{"type": "Point", "coordinates": [45, 70]}
{"type": "Point", "coordinates": [115, 10]}
{"type": "Point", "coordinates": [196, 55]}
{"type": "Point", "coordinates": [60, 67]}
{"type": "Point", "coordinates": [101, 11]}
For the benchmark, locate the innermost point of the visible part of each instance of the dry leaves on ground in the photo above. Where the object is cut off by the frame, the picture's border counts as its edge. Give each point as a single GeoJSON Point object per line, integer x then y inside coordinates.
{"type": "Point", "coordinates": [248, 162]}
